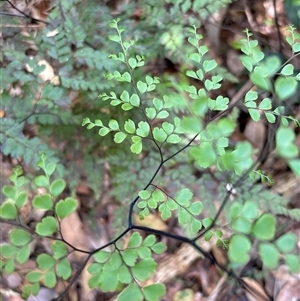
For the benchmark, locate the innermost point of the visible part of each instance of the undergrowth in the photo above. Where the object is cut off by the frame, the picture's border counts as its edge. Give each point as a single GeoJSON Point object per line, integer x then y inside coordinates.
{"type": "Point", "coordinates": [156, 136]}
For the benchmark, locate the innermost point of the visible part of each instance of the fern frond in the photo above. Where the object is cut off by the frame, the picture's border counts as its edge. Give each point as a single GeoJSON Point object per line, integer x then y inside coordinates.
{"type": "Point", "coordinates": [16, 144]}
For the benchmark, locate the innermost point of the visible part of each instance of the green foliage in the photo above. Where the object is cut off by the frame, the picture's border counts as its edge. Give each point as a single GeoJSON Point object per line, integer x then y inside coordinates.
{"type": "Point", "coordinates": [16, 197]}
{"type": "Point", "coordinates": [45, 93]}
{"type": "Point", "coordinates": [186, 211]}
{"type": "Point", "coordinates": [144, 128]}
{"type": "Point", "coordinates": [49, 266]}
{"type": "Point", "coordinates": [111, 269]}
{"type": "Point", "coordinates": [261, 73]}
{"type": "Point", "coordinates": [213, 146]}
{"type": "Point", "coordinates": [247, 220]}
{"type": "Point", "coordinates": [15, 143]}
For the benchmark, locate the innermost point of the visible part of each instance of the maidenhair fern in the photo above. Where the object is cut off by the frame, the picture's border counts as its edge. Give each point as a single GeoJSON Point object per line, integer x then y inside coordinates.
{"type": "Point", "coordinates": [151, 129]}
{"type": "Point", "coordinates": [208, 147]}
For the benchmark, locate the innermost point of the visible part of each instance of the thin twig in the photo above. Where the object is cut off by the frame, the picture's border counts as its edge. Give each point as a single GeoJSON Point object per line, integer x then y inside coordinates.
{"type": "Point", "coordinates": [26, 15]}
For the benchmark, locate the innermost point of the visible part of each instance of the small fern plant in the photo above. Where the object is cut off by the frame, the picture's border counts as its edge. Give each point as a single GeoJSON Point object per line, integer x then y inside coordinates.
{"type": "Point", "coordinates": [201, 132]}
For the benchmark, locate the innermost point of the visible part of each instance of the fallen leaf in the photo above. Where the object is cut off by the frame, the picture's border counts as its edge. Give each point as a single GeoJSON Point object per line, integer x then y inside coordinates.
{"type": "Point", "coordinates": [73, 233]}
{"type": "Point", "coordinates": [289, 291]}
{"type": "Point", "coordinates": [256, 291]}
{"type": "Point", "coordinates": [255, 133]}
{"type": "Point", "coordinates": [47, 73]}
{"type": "Point", "coordinates": [152, 220]}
